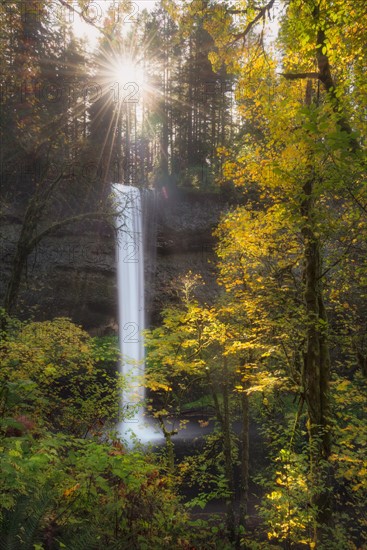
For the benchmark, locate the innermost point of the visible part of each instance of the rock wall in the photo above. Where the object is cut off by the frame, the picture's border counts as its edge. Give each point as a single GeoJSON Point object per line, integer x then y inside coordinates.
{"type": "Point", "coordinates": [70, 274]}
{"type": "Point", "coordinates": [73, 273]}
{"type": "Point", "coordinates": [185, 243]}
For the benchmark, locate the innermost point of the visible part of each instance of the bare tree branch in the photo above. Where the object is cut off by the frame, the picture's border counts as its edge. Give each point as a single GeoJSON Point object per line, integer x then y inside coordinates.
{"type": "Point", "coordinates": [261, 14]}
{"type": "Point", "coordinates": [74, 219]}
{"type": "Point", "coordinates": [71, 8]}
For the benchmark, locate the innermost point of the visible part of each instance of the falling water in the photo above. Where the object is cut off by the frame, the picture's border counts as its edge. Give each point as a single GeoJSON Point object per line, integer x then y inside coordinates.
{"type": "Point", "coordinates": [130, 282]}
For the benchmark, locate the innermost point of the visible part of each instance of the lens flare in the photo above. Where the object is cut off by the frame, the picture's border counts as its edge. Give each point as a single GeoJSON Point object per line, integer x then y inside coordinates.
{"type": "Point", "coordinates": [126, 70]}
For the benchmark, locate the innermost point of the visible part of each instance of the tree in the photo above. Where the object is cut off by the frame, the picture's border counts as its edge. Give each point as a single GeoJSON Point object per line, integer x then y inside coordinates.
{"type": "Point", "coordinates": [207, 347]}
{"type": "Point", "coordinates": [187, 109]}
{"type": "Point", "coordinates": [305, 148]}
{"type": "Point", "coordinates": [44, 92]}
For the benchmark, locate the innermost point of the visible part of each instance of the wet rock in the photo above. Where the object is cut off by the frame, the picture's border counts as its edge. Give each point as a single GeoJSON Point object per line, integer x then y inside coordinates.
{"type": "Point", "coordinates": [73, 273]}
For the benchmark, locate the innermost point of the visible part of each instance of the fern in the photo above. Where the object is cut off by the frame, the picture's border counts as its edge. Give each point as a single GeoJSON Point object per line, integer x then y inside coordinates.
{"type": "Point", "coordinates": [20, 526]}
{"type": "Point", "coordinates": [81, 541]}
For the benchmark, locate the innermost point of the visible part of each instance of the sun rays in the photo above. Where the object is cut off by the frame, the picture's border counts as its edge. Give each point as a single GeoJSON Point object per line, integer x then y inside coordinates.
{"type": "Point", "coordinates": [121, 77]}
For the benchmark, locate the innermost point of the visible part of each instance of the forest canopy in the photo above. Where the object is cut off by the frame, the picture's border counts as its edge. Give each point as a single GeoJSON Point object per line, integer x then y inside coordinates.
{"type": "Point", "coordinates": [262, 105]}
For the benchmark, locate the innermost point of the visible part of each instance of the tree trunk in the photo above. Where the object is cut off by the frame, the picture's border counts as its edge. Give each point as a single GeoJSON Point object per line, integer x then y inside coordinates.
{"type": "Point", "coordinates": [168, 434]}
{"type": "Point", "coordinates": [12, 291]}
{"type": "Point", "coordinates": [32, 217]}
{"type": "Point", "coordinates": [228, 459]}
{"type": "Point", "coordinates": [316, 368]}
{"type": "Point", "coordinates": [245, 455]}
{"type": "Point", "coordinates": [224, 421]}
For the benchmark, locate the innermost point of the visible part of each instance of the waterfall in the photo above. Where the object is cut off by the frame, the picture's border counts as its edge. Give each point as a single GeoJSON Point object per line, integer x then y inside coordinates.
{"type": "Point", "coordinates": [130, 284]}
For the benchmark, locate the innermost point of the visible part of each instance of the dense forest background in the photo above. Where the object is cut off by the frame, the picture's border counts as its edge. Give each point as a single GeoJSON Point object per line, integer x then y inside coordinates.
{"type": "Point", "coordinates": [260, 106]}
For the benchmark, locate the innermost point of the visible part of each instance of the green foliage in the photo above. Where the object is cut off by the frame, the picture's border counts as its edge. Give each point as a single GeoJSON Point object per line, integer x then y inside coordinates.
{"type": "Point", "coordinates": [58, 488]}
{"type": "Point", "coordinates": [20, 527]}
{"type": "Point", "coordinates": [63, 368]}
{"type": "Point", "coordinates": [119, 498]}
{"type": "Point", "coordinates": [288, 331]}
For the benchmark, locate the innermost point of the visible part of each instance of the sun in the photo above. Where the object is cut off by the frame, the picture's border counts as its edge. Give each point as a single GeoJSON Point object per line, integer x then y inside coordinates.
{"type": "Point", "coordinates": [121, 72]}
{"type": "Point", "coordinates": [127, 71]}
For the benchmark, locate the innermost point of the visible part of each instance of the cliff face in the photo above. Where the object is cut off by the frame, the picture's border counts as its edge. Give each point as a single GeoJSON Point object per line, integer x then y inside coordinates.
{"type": "Point", "coordinates": [70, 274]}
{"type": "Point", "coordinates": [73, 273]}
{"type": "Point", "coordinates": [185, 243]}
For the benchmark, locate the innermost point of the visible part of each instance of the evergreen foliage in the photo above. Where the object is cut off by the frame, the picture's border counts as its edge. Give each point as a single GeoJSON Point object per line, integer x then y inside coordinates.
{"type": "Point", "coordinates": [279, 355]}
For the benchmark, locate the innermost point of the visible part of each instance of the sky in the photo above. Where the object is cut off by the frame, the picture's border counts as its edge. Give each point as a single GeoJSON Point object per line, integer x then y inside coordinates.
{"type": "Point", "coordinates": [98, 8]}
{"type": "Point", "coordinates": [96, 11]}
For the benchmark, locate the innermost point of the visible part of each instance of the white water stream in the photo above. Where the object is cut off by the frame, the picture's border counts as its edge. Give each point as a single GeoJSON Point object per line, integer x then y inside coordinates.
{"type": "Point", "coordinates": [130, 282]}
